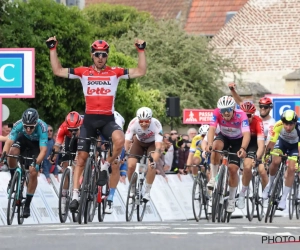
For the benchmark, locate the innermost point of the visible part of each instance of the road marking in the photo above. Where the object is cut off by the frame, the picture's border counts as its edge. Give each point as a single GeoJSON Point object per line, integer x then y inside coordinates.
{"type": "Point", "coordinates": [169, 233]}
{"type": "Point", "coordinates": [204, 233]}
{"type": "Point", "coordinates": [213, 228]}
{"type": "Point", "coordinates": [284, 233]}
{"type": "Point", "coordinates": [247, 232]}
{"type": "Point", "coordinates": [249, 227]}
{"type": "Point", "coordinates": [292, 227]}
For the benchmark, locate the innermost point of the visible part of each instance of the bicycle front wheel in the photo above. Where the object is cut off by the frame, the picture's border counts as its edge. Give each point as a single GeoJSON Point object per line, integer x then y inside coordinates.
{"type": "Point", "coordinates": [82, 210]}
{"type": "Point", "coordinates": [13, 197]}
{"type": "Point", "coordinates": [292, 200]}
{"type": "Point", "coordinates": [131, 198]}
{"type": "Point", "coordinates": [250, 199]}
{"type": "Point", "coordinates": [64, 198]}
{"type": "Point", "coordinates": [197, 198]}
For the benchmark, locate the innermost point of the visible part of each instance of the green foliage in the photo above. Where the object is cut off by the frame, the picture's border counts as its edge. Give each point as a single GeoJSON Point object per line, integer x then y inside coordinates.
{"type": "Point", "coordinates": [16, 108]}
{"type": "Point", "coordinates": [113, 20]}
{"type": "Point", "coordinates": [178, 64]}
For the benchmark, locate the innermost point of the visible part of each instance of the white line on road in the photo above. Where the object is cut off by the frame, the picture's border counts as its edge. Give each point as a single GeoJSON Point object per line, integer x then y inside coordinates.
{"type": "Point", "coordinates": [284, 233]}
{"type": "Point", "coordinates": [292, 227]}
{"type": "Point", "coordinates": [247, 232]}
{"type": "Point", "coordinates": [213, 228]}
{"type": "Point", "coordinates": [206, 233]}
{"type": "Point", "coordinates": [169, 233]}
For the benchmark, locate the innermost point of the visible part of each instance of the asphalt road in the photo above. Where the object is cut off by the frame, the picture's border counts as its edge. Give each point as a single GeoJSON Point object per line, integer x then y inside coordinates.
{"type": "Point", "coordinates": [238, 234]}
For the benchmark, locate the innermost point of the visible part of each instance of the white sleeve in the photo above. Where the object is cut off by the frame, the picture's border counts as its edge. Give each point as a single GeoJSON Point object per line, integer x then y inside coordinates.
{"type": "Point", "coordinates": [130, 130]}
{"type": "Point", "coordinates": [169, 157]}
{"type": "Point", "coordinates": [158, 131]}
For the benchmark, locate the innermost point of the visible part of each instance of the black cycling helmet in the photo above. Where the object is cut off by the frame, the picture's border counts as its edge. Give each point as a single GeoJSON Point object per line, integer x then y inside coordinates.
{"type": "Point", "coordinates": [30, 116]}
{"type": "Point", "coordinates": [289, 116]}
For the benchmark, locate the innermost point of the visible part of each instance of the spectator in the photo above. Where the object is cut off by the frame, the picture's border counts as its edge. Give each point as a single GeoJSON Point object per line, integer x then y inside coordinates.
{"type": "Point", "coordinates": [168, 153]}
{"type": "Point", "coordinates": [47, 167]}
{"type": "Point", "coordinates": [174, 137]}
{"type": "Point", "coordinates": [183, 153]}
{"type": "Point", "coordinates": [192, 132]}
{"type": "Point", "coordinates": [6, 128]}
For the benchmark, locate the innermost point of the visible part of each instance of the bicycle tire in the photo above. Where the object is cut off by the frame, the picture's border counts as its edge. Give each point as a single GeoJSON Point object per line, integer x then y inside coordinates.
{"type": "Point", "coordinates": [141, 210]}
{"type": "Point", "coordinates": [297, 204]}
{"type": "Point", "coordinates": [257, 199]}
{"type": "Point", "coordinates": [82, 210]}
{"type": "Point", "coordinates": [223, 206]}
{"type": "Point", "coordinates": [197, 208]}
{"type": "Point", "coordinates": [14, 189]}
{"type": "Point", "coordinates": [129, 212]}
{"type": "Point", "coordinates": [292, 201]}
{"type": "Point", "coordinates": [101, 207]}
{"type": "Point", "coordinates": [92, 202]}
{"type": "Point", "coordinates": [205, 198]}
{"type": "Point", "coordinates": [24, 178]}
{"type": "Point", "coordinates": [275, 194]}
{"type": "Point", "coordinates": [216, 195]}
{"type": "Point", "coordinates": [250, 201]}
{"type": "Point", "coordinates": [270, 204]}
{"type": "Point", "coordinates": [65, 176]}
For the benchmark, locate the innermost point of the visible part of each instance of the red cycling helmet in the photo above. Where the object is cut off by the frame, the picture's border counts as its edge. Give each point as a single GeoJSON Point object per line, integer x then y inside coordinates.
{"type": "Point", "coordinates": [100, 45]}
{"type": "Point", "coordinates": [248, 107]}
{"type": "Point", "coordinates": [73, 120]}
{"type": "Point", "coordinates": [266, 101]}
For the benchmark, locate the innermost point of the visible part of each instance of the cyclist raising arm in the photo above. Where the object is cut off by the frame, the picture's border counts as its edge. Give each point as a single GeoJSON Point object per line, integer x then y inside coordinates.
{"type": "Point", "coordinates": [99, 83]}
{"type": "Point", "coordinates": [28, 133]}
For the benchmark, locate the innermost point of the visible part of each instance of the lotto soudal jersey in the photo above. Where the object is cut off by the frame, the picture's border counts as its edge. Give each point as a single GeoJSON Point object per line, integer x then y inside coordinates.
{"type": "Point", "coordinates": [99, 88]}
{"type": "Point", "coordinates": [268, 127]}
{"type": "Point", "coordinates": [152, 133]}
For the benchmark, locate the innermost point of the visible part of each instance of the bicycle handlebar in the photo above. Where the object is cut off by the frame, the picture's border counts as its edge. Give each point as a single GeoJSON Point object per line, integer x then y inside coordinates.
{"type": "Point", "coordinates": [95, 140]}
{"type": "Point", "coordinates": [4, 155]}
{"type": "Point", "coordinates": [285, 156]}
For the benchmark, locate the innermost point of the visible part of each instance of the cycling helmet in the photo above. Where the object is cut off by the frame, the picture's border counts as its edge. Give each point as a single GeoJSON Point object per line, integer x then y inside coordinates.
{"type": "Point", "coordinates": [203, 129]}
{"type": "Point", "coordinates": [73, 120]}
{"type": "Point", "coordinates": [144, 113]}
{"type": "Point", "coordinates": [248, 107]}
{"type": "Point", "coordinates": [289, 116]}
{"type": "Point", "coordinates": [226, 102]}
{"type": "Point", "coordinates": [30, 116]}
{"type": "Point", "coordinates": [266, 101]}
{"type": "Point", "coordinates": [100, 45]}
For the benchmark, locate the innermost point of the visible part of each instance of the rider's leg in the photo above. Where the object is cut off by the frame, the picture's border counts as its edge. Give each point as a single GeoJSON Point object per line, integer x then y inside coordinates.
{"type": "Point", "coordinates": [112, 130]}
{"type": "Point", "coordinates": [215, 161]}
{"type": "Point", "coordinates": [247, 174]}
{"type": "Point", "coordinates": [289, 180]}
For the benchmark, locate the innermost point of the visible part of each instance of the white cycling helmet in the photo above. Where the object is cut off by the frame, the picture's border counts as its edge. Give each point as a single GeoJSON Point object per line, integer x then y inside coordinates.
{"type": "Point", "coordinates": [226, 102]}
{"type": "Point", "coordinates": [203, 129]}
{"type": "Point", "coordinates": [144, 113]}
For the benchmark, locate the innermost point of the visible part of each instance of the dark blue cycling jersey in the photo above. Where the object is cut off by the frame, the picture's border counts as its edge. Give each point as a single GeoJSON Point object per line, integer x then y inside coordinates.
{"type": "Point", "coordinates": [40, 132]}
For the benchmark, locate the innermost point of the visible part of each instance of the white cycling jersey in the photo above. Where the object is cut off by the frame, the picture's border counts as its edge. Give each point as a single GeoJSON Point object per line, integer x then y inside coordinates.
{"type": "Point", "coordinates": [152, 133]}
{"type": "Point", "coordinates": [268, 128]}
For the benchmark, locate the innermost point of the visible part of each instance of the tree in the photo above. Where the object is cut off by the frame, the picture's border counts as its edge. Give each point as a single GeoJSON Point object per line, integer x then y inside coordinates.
{"type": "Point", "coordinates": [16, 108]}
{"type": "Point", "coordinates": [113, 20]}
{"type": "Point", "coordinates": [178, 64]}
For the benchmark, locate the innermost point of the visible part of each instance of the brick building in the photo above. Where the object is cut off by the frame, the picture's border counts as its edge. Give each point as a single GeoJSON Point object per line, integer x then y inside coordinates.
{"type": "Point", "coordinates": [200, 17]}
{"type": "Point", "coordinates": [263, 39]}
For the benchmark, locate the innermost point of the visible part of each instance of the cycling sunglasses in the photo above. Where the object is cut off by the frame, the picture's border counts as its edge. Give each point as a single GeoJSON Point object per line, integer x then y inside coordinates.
{"type": "Point", "coordinates": [264, 106]}
{"type": "Point", "coordinates": [249, 115]}
{"type": "Point", "coordinates": [73, 129]}
{"type": "Point", "coordinates": [226, 110]}
{"type": "Point", "coordinates": [102, 54]}
{"type": "Point", "coordinates": [144, 121]}
{"type": "Point", "coordinates": [29, 127]}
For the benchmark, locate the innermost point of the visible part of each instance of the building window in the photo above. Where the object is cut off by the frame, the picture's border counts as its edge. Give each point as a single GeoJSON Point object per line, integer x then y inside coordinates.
{"type": "Point", "coordinates": [229, 15]}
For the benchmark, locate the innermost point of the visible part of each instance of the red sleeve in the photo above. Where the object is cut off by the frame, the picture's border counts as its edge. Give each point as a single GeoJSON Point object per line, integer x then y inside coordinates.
{"type": "Point", "coordinates": [61, 134]}
{"type": "Point", "coordinates": [259, 128]}
{"type": "Point", "coordinates": [120, 71]}
{"type": "Point", "coordinates": [75, 72]}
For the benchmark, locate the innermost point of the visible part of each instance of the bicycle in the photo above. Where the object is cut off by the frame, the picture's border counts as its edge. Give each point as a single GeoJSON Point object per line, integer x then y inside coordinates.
{"type": "Point", "coordinates": [17, 194]}
{"type": "Point", "coordinates": [135, 198]}
{"type": "Point", "coordinates": [276, 187]}
{"type": "Point", "coordinates": [219, 196]}
{"type": "Point", "coordinates": [89, 189]}
{"type": "Point", "coordinates": [294, 201]}
{"type": "Point", "coordinates": [255, 201]}
{"type": "Point", "coordinates": [200, 197]}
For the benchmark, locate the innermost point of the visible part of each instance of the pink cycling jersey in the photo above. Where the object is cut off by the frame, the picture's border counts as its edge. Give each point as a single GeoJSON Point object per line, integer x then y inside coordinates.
{"type": "Point", "coordinates": [234, 128]}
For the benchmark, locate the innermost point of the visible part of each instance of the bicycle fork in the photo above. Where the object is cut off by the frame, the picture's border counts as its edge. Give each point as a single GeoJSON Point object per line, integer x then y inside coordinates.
{"type": "Point", "coordinates": [140, 170]}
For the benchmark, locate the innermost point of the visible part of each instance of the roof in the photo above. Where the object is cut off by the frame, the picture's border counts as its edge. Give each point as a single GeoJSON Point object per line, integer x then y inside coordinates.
{"type": "Point", "coordinates": [295, 75]}
{"type": "Point", "coordinates": [248, 89]}
{"type": "Point", "coordinates": [262, 36]}
{"type": "Point", "coordinates": [207, 17]}
{"type": "Point", "coordinates": [159, 9]}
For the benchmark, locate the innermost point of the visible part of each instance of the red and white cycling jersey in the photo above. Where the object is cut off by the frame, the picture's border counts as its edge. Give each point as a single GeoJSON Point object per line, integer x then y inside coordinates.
{"type": "Point", "coordinates": [62, 132]}
{"type": "Point", "coordinates": [268, 128]}
{"type": "Point", "coordinates": [99, 88]}
{"type": "Point", "coordinates": [152, 133]}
